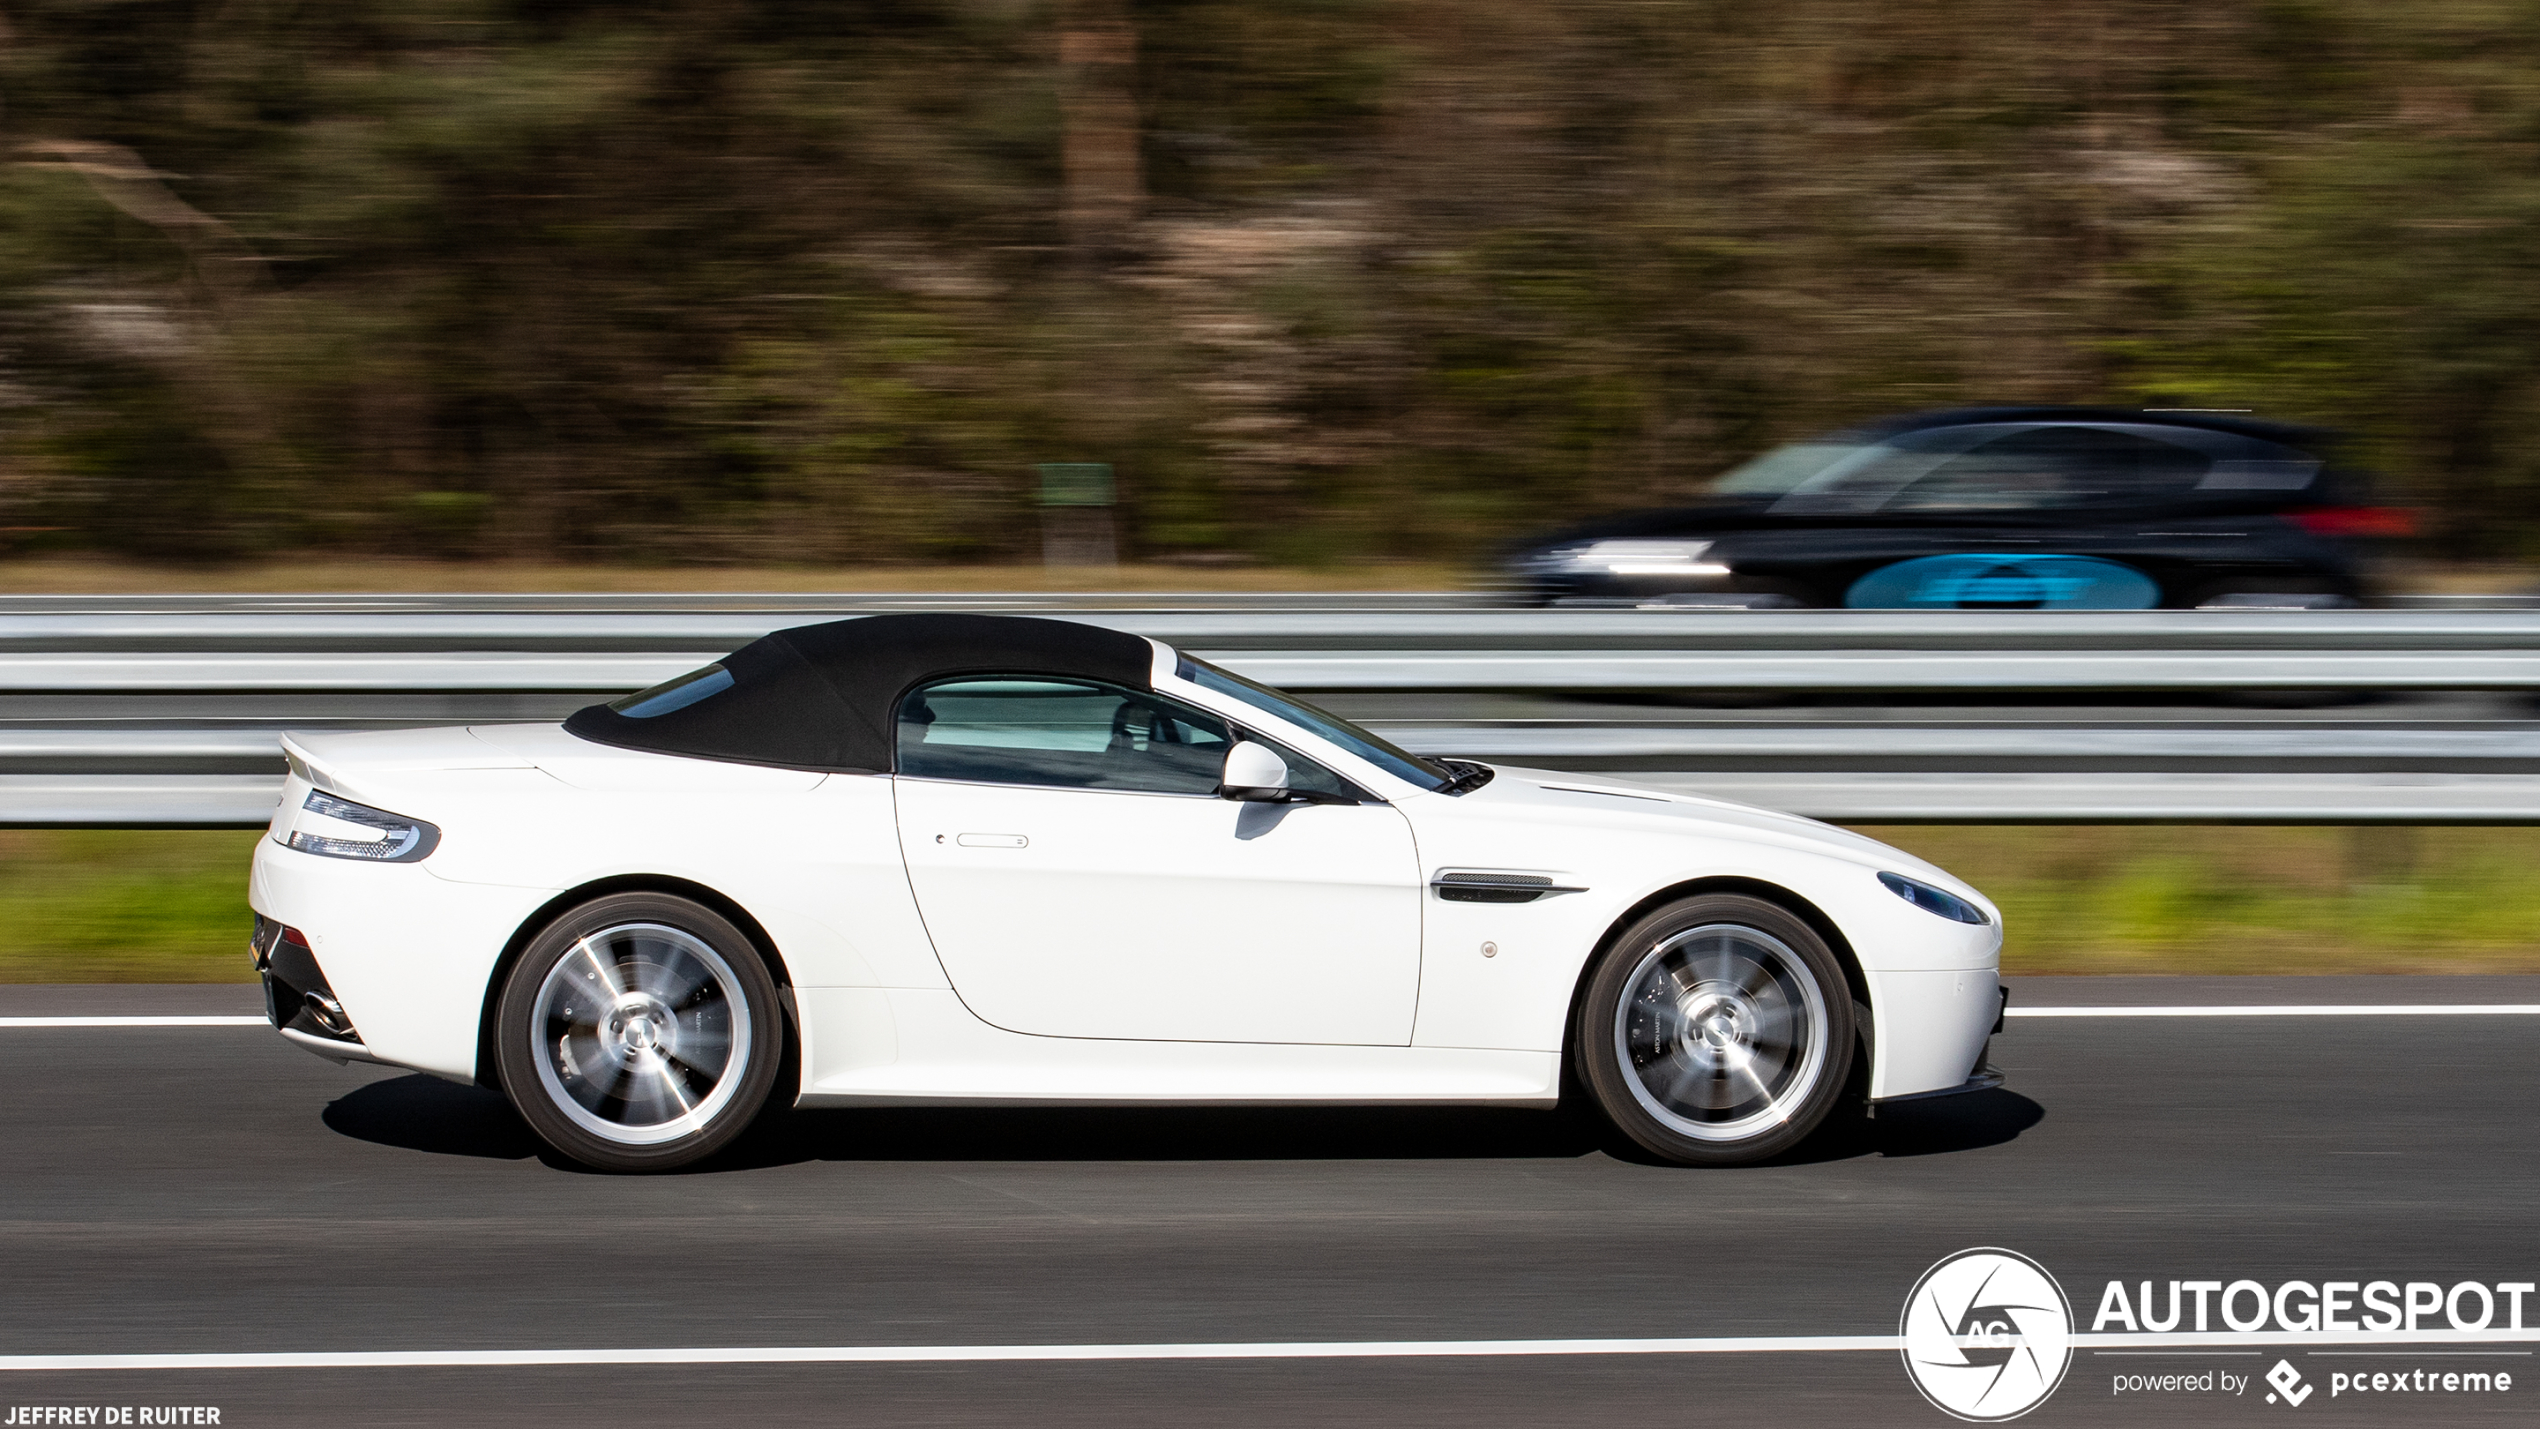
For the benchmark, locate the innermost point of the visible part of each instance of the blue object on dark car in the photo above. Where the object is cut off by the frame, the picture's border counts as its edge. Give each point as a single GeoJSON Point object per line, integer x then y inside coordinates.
{"type": "Point", "coordinates": [2049, 508]}
{"type": "Point", "coordinates": [2005, 581]}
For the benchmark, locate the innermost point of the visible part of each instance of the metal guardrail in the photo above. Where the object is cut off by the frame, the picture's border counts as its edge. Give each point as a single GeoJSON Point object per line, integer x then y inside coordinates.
{"type": "Point", "coordinates": [1392, 648]}
{"type": "Point", "coordinates": [160, 710]}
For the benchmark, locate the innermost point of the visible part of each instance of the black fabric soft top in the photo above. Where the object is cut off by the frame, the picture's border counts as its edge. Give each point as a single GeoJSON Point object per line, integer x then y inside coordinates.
{"type": "Point", "coordinates": [826, 697]}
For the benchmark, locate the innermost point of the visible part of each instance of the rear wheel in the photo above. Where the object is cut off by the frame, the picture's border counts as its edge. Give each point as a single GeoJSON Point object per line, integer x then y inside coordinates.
{"type": "Point", "coordinates": [1717, 1030]}
{"type": "Point", "coordinates": [639, 1032]}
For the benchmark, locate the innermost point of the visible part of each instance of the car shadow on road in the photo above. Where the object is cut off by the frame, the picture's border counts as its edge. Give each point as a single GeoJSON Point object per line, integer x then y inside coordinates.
{"type": "Point", "coordinates": [1936, 1127]}
{"type": "Point", "coordinates": [426, 1114]}
{"type": "Point", "coordinates": [421, 1113]}
{"type": "Point", "coordinates": [1301, 1133]}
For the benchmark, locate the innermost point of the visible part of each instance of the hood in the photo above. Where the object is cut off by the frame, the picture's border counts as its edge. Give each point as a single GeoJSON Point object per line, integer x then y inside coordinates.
{"type": "Point", "coordinates": [1610, 800]}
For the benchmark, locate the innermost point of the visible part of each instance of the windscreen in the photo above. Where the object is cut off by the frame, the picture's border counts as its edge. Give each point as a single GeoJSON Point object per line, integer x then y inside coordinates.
{"type": "Point", "coordinates": [1401, 764]}
{"type": "Point", "coordinates": [1783, 469]}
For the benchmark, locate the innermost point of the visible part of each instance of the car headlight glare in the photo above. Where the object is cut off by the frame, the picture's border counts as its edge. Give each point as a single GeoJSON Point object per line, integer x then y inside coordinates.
{"type": "Point", "coordinates": [1933, 900]}
{"type": "Point", "coordinates": [344, 829]}
{"type": "Point", "coordinates": [1647, 558]}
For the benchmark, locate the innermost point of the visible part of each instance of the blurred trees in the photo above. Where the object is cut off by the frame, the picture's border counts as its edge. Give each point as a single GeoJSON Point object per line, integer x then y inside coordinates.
{"type": "Point", "coordinates": [731, 280]}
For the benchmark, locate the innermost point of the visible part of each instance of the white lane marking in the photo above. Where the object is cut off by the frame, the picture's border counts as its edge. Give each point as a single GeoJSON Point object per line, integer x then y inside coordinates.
{"type": "Point", "coordinates": [134, 1022]}
{"type": "Point", "coordinates": [2374, 1009]}
{"type": "Point", "coordinates": [2237, 1339]}
{"type": "Point", "coordinates": [1305, 1350]}
{"type": "Point", "coordinates": [952, 1354]}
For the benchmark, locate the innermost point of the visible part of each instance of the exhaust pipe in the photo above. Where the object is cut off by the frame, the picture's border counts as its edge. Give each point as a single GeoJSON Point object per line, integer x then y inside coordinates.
{"type": "Point", "coordinates": [328, 1013]}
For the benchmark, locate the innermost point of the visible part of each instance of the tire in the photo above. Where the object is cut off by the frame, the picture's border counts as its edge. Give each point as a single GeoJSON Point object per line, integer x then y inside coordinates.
{"type": "Point", "coordinates": [1770, 1017]}
{"type": "Point", "coordinates": [639, 1032]}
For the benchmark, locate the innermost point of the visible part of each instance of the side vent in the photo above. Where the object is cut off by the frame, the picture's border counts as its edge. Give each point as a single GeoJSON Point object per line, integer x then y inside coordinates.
{"type": "Point", "coordinates": [1474, 886]}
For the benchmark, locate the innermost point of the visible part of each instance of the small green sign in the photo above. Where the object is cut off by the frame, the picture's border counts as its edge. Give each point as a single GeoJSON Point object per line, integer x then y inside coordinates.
{"type": "Point", "coordinates": [1075, 483]}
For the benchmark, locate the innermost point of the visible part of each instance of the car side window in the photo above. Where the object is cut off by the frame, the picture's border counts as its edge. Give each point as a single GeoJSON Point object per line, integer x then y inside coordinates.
{"type": "Point", "coordinates": [2053, 467]}
{"type": "Point", "coordinates": [1067, 733]}
{"type": "Point", "coordinates": [1073, 734]}
{"type": "Point", "coordinates": [1864, 480]}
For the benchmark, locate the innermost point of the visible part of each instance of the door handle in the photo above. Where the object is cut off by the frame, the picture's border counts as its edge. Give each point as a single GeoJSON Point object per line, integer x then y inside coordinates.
{"type": "Point", "coordinates": [989, 840]}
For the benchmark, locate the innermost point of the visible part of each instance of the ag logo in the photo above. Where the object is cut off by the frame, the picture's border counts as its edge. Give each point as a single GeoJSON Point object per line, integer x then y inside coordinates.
{"type": "Point", "coordinates": [1987, 1335]}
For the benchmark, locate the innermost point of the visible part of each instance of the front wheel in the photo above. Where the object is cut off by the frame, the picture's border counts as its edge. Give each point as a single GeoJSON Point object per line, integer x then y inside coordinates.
{"type": "Point", "coordinates": [1717, 1030]}
{"type": "Point", "coordinates": [639, 1032]}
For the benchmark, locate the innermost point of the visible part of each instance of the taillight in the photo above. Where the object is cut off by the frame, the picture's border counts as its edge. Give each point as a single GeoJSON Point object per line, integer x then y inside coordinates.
{"type": "Point", "coordinates": [340, 828]}
{"type": "Point", "coordinates": [2355, 520]}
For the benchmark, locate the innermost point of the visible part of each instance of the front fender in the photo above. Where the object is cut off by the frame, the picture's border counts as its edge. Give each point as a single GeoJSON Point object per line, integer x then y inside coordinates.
{"type": "Point", "coordinates": [1499, 975]}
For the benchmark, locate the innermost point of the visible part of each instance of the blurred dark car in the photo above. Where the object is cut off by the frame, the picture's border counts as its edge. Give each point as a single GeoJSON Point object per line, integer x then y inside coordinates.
{"type": "Point", "coordinates": [2059, 508]}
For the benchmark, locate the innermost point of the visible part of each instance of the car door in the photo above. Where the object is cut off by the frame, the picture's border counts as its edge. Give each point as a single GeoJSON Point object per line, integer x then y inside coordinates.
{"type": "Point", "coordinates": [1080, 878]}
{"type": "Point", "coordinates": [2024, 521]}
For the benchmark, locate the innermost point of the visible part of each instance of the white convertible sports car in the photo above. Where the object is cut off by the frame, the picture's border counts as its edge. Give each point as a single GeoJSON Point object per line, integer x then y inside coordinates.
{"type": "Point", "coordinates": [938, 859]}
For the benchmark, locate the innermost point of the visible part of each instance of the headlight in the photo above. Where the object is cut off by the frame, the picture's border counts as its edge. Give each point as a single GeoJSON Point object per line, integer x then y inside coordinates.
{"type": "Point", "coordinates": [1647, 558]}
{"type": "Point", "coordinates": [1932, 900]}
{"type": "Point", "coordinates": [340, 828]}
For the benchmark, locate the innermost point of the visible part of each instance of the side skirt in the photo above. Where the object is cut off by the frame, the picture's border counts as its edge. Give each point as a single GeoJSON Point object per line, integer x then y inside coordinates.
{"type": "Point", "coordinates": [921, 1047]}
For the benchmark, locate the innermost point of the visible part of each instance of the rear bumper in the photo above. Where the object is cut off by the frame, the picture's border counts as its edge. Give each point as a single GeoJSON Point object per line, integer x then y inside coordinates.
{"type": "Point", "coordinates": [299, 1001]}
{"type": "Point", "coordinates": [406, 954]}
{"type": "Point", "coordinates": [331, 1049]}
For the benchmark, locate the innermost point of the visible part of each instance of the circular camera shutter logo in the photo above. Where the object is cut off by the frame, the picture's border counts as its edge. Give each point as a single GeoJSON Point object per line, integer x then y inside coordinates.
{"type": "Point", "coordinates": [1987, 1335]}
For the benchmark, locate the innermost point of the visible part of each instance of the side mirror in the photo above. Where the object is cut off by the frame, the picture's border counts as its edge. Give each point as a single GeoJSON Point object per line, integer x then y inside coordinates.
{"type": "Point", "coordinates": [1255, 774]}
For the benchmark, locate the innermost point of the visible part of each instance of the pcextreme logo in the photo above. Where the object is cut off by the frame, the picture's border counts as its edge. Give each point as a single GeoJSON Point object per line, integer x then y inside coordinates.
{"type": "Point", "coordinates": [2288, 1383]}
{"type": "Point", "coordinates": [1987, 1335]}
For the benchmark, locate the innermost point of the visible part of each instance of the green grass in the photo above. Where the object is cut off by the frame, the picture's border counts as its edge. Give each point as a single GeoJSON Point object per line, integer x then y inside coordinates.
{"type": "Point", "coordinates": [2225, 899]}
{"type": "Point", "coordinates": [81, 905]}
{"type": "Point", "coordinates": [133, 906]}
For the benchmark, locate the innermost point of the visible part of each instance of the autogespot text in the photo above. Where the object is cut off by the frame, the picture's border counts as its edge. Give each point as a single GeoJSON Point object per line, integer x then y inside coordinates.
{"type": "Point", "coordinates": [2301, 1306]}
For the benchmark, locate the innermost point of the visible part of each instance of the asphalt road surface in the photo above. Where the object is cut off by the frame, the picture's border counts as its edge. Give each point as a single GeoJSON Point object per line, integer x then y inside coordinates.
{"type": "Point", "coordinates": [211, 1189]}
